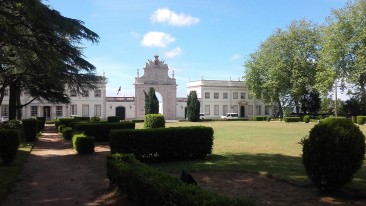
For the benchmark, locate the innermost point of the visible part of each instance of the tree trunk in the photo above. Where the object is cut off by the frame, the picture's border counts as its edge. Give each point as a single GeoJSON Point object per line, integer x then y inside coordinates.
{"type": "Point", "coordinates": [19, 105]}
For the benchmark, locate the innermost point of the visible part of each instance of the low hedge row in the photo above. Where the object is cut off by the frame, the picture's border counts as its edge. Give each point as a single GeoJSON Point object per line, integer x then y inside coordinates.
{"type": "Point", "coordinates": [292, 119]}
{"type": "Point", "coordinates": [9, 143]}
{"type": "Point", "coordinates": [164, 143]}
{"type": "Point", "coordinates": [113, 119]}
{"type": "Point", "coordinates": [101, 130]}
{"type": "Point", "coordinates": [260, 118]}
{"type": "Point", "coordinates": [149, 186]}
{"type": "Point", "coordinates": [30, 128]}
{"type": "Point", "coordinates": [361, 119]}
{"type": "Point", "coordinates": [83, 144]}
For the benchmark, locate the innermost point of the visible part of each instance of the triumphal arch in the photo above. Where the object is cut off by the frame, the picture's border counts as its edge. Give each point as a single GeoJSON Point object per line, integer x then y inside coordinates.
{"type": "Point", "coordinates": [156, 76]}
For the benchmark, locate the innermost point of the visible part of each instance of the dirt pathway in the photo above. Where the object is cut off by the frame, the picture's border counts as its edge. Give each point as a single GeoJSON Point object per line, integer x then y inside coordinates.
{"type": "Point", "coordinates": [55, 175]}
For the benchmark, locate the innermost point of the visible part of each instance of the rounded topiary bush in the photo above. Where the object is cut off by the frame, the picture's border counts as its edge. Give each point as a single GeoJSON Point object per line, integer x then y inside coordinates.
{"type": "Point", "coordinates": [154, 121]}
{"type": "Point", "coordinates": [361, 120]}
{"type": "Point", "coordinates": [306, 118]}
{"type": "Point", "coordinates": [332, 153]}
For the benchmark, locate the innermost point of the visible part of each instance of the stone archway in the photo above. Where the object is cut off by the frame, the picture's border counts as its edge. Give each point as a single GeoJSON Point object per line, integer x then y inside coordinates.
{"type": "Point", "coordinates": [156, 76]}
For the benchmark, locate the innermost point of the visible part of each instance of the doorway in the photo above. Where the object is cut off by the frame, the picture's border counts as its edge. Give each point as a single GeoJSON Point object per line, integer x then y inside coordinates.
{"type": "Point", "coordinates": [47, 112]}
{"type": "Point", "coordinates": [121, 112]}
{"type": "Point", "coordinates": [242, 111]}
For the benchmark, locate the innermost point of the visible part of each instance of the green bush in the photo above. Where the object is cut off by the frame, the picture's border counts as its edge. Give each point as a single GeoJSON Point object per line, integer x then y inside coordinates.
{"type": "Point", "coordinates": [113, 119]}
{"type": "Point", "coordinates": [101, 130]}
{"type": "Point", "coordinates": [9, 143]}
{"type": "Point", "coordinates": [67, 133]}
{"type": "Point", "coordinates": [354, 119]}
{"type": "Point", "coordinates": [361, 120]}
{"type": "Point", "coordinates": [83, 144]}
{"type": "Point", "coordinates": [260, 118]}
{"type": "Point", "coordinates": [164, 143]}
{"type": "Point", "coordinates": [154, 121]}
{"type": "Point", "coordinates": [64, 121]}
{"type": "Point", "coordinates": [30, 128]}
{"type": "Point", "coordinates": [149, 186]}
{"type": "Point", "coordinates": [291, 119]}
{"type": "Point", "coordinates": [83, 119]}
{"type": "Point", "coordinates": [60, 128]}
{"type": "Point", "coordinates": [306, 118]}
{"type": "Point", "coordinates": [95, 119]}
{"type": "Point", "coordinates": [43, 122]}
{"type": "Point", "coordinates": [332, 153]}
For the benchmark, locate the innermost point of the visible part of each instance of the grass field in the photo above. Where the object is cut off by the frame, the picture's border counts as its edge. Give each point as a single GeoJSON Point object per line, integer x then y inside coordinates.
{"type": "Point", "coordinates": [270, 148]}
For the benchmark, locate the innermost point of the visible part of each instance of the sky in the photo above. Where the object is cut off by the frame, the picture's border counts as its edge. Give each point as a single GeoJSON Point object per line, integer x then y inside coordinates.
{"type": "Point", "coordinates": [198, 39]}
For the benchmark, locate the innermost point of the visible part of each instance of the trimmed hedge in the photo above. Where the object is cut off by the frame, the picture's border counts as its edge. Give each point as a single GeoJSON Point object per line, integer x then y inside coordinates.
{"type": "Point", "coordinates": [260, 118]}
{"type": "Point", "coordinates": [64, 121]}
{"type": "Point", "coordinates": [292, 119]}
{"type": "Point", "coordinates": [30, 128]}
{"type": "Point", "coordinates": [306, 118]}
{"type": "Point", "coordinates": [101, 130]}
{"type": "Point", "coordinates": [361, 120]}
{"type": "Point", "coordinates": [154, 121]}
{"type": "Point", "coordinates": [164, 143]}
{"type": "Point", "coordinates": [9, 143]}
{"type": "Point", "coordinates": [67, 133]}
{"type": "Point", "coordinates": [83, 144]}
{"type": "Point", "coordinates": [149, 186]}
{"type": "Point", "coordinates": [43, 122]}
{"type": "Point", "coordinates": [113, 119]}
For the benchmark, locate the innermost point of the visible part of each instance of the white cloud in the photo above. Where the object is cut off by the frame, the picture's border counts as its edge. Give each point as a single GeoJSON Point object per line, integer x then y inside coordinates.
{"type": "Point", "coordinates": [172, 18]}
{"type": "Point", "coordinates": [173, 53]}
{"type": "Point", "coordinates": [235, 57]}
{"type": "Point", "coordinates": [157, 39]}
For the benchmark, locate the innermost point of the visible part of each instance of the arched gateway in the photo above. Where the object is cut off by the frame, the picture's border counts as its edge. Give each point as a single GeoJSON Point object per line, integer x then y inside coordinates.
{"type": "Point", "coordinates": [156, 76]}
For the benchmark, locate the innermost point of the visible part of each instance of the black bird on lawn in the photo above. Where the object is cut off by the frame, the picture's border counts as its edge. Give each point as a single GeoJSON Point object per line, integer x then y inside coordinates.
{"type": "Point", "coordinates": [187, 178]}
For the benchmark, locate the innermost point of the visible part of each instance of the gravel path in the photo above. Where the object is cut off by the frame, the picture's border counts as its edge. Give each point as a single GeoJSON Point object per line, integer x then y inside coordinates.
{"type": "Point", "coordinates": [55, 175]}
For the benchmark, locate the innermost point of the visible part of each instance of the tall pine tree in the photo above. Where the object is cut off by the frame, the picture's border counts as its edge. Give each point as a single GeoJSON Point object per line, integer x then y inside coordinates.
{"type": "Point", "coordinates": [193, 107]}
{"type": "Point", "coordinates": [151, 102]}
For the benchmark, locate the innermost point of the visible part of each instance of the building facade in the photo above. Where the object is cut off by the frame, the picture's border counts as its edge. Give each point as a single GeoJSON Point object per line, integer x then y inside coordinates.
{"type": "Point", "coordinates": [217, 97]}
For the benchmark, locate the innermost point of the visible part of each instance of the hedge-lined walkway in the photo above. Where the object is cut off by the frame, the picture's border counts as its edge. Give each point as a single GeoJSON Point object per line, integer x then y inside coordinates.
{"type": "Point", "coordinates": [55, 175]}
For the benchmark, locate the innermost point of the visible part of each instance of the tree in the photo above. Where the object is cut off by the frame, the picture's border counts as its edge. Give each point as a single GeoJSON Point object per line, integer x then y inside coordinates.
{"type": "Point", "coordinates": [343, 53]}
{"type": "Point", "coordinates": [39, 53]}
{"type": "Point", "coordinates": [284, 65]}
{"type": "Point", "coordinates": [327, 106]}
{"type": "Point", "coordinates": [310, 102]}
{"type": "Point", "coordinates": [353, 107]}
{"type": "Point", "coordinates": [151, 102]}
{"type": "Point", "coordinates": [193, 107]}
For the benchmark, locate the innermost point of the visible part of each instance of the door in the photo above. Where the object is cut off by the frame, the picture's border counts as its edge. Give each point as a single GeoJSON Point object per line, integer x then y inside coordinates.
{"type": "Point", "coordinates": [242, 111]}
{"type": "Point", "coordinates": [121, 112]}
{"type": "Point", "coordinates": [47, 112]}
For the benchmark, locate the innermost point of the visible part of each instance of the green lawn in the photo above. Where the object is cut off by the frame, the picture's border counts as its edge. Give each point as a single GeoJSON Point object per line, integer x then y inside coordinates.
{"type": "Point", "coordinates": [9, 174]}
{"type": "Point", "coordinates": [267, 147]}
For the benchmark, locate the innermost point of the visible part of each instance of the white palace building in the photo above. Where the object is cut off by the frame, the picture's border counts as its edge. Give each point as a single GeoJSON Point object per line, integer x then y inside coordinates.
{"type": "Point", "coordinates": [217, 97]}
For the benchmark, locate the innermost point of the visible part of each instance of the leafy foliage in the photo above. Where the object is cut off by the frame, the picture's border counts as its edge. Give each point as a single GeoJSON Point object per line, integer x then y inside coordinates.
{"type": "Point", "coordinates": [154, 121]}
{"type": "Point", "coordinates": [101, 131]}
{"type": "Point", "coordinates": [151, 102]}
{"type": "Point", "coordinates": [30, 127]}
{"type": "Point", "coordinates": [83, 144]}
{"type": "Point", "coordinates": [193, 107]}
{"type": "Point", "coordinates": [333, 152]}
{"type": "Point", "coordinates": [9, 143]}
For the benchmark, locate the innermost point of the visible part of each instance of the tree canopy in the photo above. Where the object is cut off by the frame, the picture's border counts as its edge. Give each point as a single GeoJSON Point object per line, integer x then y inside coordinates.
{"type": "Point", "coordinates": [151, 102]}
{"type": "Point", "coordinates": [193, 107]}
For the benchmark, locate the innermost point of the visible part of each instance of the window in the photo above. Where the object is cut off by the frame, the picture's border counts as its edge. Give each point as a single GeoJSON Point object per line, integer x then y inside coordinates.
{"type": "Point", "coordinates": [235, 95]}
{"type": "Point", "coordinates": [73, 93]}
{"type": "Point", "coordinates": [98, 110]}
{"type": "Point", "coordinates": [207, 95]}
{"type": "Point", "coordinates": [34, 111]}
{"type": "Point", "coordinates": [224, 109]}
{"type": "Point", "coordinates": [242, 95]}
{"type": "Point", "coordinates": [207, 109]}
{"type": "Point", "coordinates": [4, 110]}
{"type": "Point", "coordinates": [216, 110]}
{"type": "Point", "coordinates": [258, 110]}
{"type": "Point", "coordinates": [58, 111]}
{"type": "Point", "coordinates": [85, 110]}
{"type": "Point", "coordinates": [250, 109]}
{"type": "Point", "coordinates": [224, 95]}
{"type": "Point", "coordinates": [6, 92]}
{"type": "Point", "coordinates": [216, 95]}
{"type": "Point", "coordinates": [73, 109]}
{"type": "Point", "coordinates": [97, 93]}
{"type": "Point", "coordinates": [235, 108]}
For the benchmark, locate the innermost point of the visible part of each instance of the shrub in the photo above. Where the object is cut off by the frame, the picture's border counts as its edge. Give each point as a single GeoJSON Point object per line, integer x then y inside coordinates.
{"type": "Point", "coordinates": [9, 143]}
{"type": "Point", "coordinates": [95, 119]}
{"type": "Point", "coordinates": [30, 128]}
{"type": "Point", "coordinates": [306, 118]}
{"type": "Point", "coordinates": [67, 133]}
{"type": "Point", "coordinates": [361, 120]}
{"type": "Point", "coordinates": [149, 186]}
{"type": "Point", "coordinates": [83, 144]}
{"type": "Point", "coordinates": [154, 121]}
{"type": "Point", "coordinates": [291, 119]}
{"type": "Point", "coordinates": [260, 118]}
{"type": "Point", "coordinates": [84, 119]}
{"type": "Point", "coordinates": [113, 119]}
{"type": "Point", "coordinates": [64, 121]}
{"type": "Point", "coordinates": [164, 143]}
{"type": "Point", "coordinates": [101, 130]}
{"type": "Point", "coordinates": [60, 128]}
{"type": "Point", "coordinates": [43, 122]}
{"type": "Point", "coordinates": [332, 153]}
{"type": "Point", "coordinates": [354, 119]}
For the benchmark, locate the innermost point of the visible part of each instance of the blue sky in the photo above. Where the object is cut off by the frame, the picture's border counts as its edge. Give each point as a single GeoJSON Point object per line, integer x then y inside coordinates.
{"type": "Point", "coordinates": [196, 38]}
